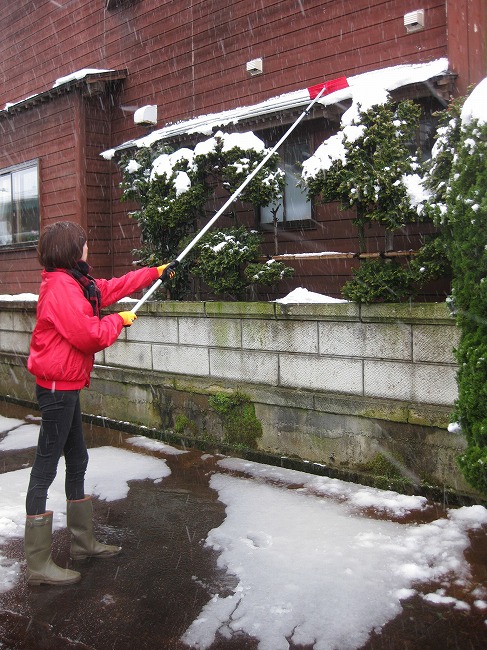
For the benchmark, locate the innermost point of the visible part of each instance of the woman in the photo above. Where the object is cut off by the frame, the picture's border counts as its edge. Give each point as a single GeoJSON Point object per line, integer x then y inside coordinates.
{"type": "Point", "coordinates": [67, 334]}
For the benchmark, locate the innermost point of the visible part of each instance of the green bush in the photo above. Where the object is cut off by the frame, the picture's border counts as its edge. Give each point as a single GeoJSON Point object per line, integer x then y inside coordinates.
{"type": "Point", "coordinates": [473, 464]}
{"type": "Point", "coordinates": [226, 261]}
{"type": "Point", "coordinates": [465, 225]}
{"type": "Point", "coordinates": [172, 189]}
{"type": "Point", "coordinates": [379, 281]}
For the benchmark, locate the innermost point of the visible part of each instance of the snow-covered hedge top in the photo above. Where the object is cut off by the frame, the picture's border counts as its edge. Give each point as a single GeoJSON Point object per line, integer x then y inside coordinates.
{"type": "Point", "coordinates": [165, 164]}
{"type": "Point", "coordinates": [475, 107]}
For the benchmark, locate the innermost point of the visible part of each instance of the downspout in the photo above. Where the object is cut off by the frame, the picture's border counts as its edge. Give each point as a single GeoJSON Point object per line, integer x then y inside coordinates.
{"type": "Point", "coordinates": [193, 102]}
{"type": "Point", "coordinates": [80, 160]}
{"type": "Point", "coordinates": [110, 192]}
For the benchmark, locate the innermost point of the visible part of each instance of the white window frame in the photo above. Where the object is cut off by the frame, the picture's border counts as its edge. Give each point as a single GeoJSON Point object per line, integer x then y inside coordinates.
{"type": "Point", "coordinates": [295, 207]}
{"type": "Point", "coordinates": [12, 219]}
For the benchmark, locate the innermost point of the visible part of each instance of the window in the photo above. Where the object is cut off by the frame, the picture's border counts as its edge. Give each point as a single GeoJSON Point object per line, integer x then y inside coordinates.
{"type": "Point", "coordinates": [295, 206]}
{"type": "Point", "coordinates": [19, 204]}
{"type": "Point", "coordinates": [114, 4]}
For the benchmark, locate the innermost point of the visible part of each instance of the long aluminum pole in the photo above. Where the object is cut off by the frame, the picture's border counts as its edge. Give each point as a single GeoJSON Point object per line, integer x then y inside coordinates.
{"type": "Point", "coordinates": [232, 198]}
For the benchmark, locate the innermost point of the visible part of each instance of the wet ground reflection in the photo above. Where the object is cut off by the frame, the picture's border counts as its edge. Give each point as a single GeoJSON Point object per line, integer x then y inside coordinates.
{"type": "Point", "coordinates": [148, 597]}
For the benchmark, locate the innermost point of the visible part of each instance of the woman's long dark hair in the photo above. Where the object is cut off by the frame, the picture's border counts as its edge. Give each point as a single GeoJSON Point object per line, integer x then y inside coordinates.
{"type": "Point", "coordinates": [61, 245]}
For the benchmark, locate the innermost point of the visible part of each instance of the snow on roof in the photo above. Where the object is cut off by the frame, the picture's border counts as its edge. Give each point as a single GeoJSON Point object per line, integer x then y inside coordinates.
{"type": "Point", "coordinates": [73, 76]}
{"type": "Point", "coordinates": [79, 74]}
{"type": "Point", "coordinates": [387, 79]}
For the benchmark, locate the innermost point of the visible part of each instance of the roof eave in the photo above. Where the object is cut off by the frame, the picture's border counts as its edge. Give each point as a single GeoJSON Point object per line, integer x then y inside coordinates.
{"type": "Point", "coordinates": [439, 87]}
{"type": "Point", "coordinates": [92, 84]}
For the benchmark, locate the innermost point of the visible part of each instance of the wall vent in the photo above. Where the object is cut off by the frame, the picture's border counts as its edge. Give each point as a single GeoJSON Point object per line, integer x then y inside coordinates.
{"type": "Point", "coordinates": [254, 67]}
{"type": "Point", "coordinates": [414, 20]}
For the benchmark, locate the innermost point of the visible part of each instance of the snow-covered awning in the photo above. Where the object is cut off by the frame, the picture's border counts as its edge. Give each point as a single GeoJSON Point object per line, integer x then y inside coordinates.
{"type": "Point", "coordinates": [93, 80]}
{"type": "Point", "coordinates": [389, 79]}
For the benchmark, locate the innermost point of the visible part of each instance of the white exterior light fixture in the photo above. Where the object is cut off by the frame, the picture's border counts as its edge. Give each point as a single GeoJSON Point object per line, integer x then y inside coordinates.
{"type": "Point", "coordinates": [254, 67]}
{"type": "Point", "coordinates": [414, 21]}
{"type": "Point", "coordinates": [146, 116]}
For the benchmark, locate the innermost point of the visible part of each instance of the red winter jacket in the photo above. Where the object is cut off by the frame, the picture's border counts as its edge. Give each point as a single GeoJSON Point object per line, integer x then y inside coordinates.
{"type": "Point", "coordinates": [67, 334]}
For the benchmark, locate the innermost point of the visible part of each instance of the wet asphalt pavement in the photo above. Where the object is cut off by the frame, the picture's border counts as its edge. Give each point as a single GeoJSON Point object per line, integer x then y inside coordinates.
{"type": "Point", "coordinates": [148, 596]}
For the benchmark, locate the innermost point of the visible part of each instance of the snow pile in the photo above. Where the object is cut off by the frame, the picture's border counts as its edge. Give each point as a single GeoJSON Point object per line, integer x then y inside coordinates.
{"type": "Point", "coordinates": [31, 297]}
{"type": "Point", "coordinates": [323, 158]}
{"type": "Point", "coordinates": [355, 495]}
{"type": "Point", "coordinates": [154, 445]}
{"type": "Point", "coordinates": [165, 163]}
{"type": "Point", "coordinates": [455, 427]}
{"type": "Point", "coordinates": [417, 193]}
{"type": "Point", "coordinates": [21, 436]}
{"type": "Point", "coordinates": [301, 296]}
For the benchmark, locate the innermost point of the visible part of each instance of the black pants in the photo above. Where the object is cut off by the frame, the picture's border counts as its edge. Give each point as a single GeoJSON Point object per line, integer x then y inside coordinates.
{"type": "Point", "coordinates": [61, 433]}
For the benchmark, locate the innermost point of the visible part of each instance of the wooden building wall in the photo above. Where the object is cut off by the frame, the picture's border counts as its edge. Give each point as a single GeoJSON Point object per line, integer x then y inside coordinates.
{"type": "Point", "coordinates": [188, 57]}
{"type": "Point", "coordinates": [47, 134]}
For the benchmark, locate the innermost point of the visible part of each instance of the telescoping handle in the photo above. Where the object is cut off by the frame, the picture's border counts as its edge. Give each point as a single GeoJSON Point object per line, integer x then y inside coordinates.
{"type": "Point", "coordinates": [316, 93]}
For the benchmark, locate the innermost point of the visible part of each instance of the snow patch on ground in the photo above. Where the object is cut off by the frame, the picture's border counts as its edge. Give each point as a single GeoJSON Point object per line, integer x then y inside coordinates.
{"type": "Point", "coordinates": [154, 445]}
{"type": "Point", "coordinates": [311, 566]}
{"type": "Point", "coordinates": [312, 572]}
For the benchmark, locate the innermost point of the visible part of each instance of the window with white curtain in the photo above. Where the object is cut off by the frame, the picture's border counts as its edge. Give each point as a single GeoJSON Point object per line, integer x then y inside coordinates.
{"type": "Point", "coordinates": [294, 206]}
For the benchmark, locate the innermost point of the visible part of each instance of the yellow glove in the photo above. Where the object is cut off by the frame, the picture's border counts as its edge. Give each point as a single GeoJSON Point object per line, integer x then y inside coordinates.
{"type": "Point", "coordinates": [170, 273]}
{"type": "Point", "coordinates": [128, 317]}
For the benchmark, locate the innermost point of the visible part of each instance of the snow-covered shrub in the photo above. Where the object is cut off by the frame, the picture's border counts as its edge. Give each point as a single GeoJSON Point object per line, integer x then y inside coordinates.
{"type": "Point", "coordinates": [369, 166]}
{"type": "Point", "coordinates": [366, 164]}
{"type": "Point", "coordinates": [172, 187]}
{"type": "Point", "coordinates": [439, 167]}
{"type": "Point", "coordinates": [227, 262]}
{"type": "Point", "coordinates": [268, 273]}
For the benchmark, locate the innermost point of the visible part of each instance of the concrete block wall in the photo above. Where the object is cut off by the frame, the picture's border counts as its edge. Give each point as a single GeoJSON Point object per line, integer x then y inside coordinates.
{"type": "Point", "coordinates": [398, 352]}
{"type": "Point", "coordinates": [332, 383]}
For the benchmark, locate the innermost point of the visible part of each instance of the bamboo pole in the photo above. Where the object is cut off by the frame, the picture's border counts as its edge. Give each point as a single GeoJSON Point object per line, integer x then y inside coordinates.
{"type": "Point", "coordinates": [337, 256]}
